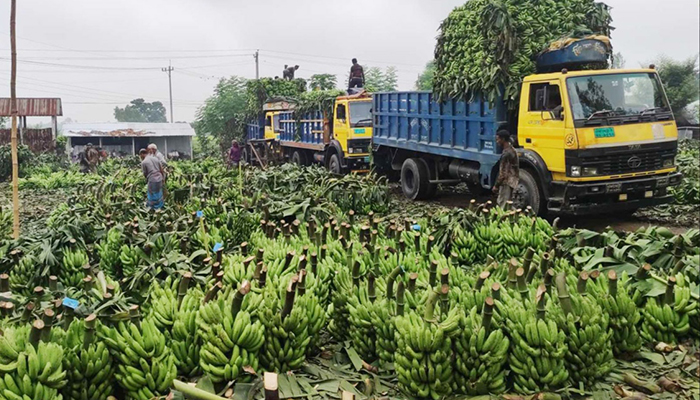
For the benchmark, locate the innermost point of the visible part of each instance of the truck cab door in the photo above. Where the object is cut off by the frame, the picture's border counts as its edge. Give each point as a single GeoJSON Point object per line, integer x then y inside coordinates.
{"type": "Point", "coordinates": [341, 124]}
{"type": "Point", "coordinates": [542, 125]}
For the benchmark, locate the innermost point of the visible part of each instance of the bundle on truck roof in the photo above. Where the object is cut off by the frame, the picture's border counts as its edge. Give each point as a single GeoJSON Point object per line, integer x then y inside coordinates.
{"type": "Point", "coordinates": [489, 46]}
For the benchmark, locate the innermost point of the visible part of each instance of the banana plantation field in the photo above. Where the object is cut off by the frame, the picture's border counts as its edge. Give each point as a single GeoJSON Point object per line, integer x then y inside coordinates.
{"type": "Point", "coordinates": [333, 285]}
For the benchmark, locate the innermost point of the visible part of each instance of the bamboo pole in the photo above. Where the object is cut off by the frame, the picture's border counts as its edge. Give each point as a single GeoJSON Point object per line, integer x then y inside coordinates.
{"type": "Point", "coordinates": [13, 140]}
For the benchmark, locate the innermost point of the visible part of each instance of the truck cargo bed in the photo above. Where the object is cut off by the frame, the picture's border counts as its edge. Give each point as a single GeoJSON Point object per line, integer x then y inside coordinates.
{"type": "Point", "coordinates": [455, 129]}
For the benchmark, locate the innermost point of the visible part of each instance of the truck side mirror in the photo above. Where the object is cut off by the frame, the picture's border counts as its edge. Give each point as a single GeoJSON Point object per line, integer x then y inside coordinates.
{"type": "Point", "coordinates": [558, 113]}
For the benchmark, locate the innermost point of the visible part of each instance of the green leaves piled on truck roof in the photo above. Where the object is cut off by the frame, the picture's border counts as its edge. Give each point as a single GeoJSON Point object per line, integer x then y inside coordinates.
{"type": "Point", "coordinates": [489, 46]}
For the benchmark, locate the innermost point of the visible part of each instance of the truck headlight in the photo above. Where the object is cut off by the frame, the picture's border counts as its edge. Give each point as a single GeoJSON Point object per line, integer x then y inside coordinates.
{"type": "Point", "coordinates": [590, 171]}
{"type": "Point", "coordinates": [575, 170]}
{"type": "Point", "coordinates": [668, 163]}
{"type": "Point", "coordinates": [351, 150]}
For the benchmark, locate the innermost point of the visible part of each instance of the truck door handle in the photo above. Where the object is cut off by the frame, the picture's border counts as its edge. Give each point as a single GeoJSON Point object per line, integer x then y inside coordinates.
{"type": "Point", "coordinates": [528, 140]}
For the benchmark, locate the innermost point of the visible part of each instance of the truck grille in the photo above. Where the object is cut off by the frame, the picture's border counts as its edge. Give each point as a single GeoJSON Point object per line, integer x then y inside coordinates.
{"type": "Point", "coordinates": [640, 161]}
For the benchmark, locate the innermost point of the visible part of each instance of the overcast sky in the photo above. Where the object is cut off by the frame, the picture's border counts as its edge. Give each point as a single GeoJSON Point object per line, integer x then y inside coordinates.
{"type": "Point", "coordinates": [97, 54]}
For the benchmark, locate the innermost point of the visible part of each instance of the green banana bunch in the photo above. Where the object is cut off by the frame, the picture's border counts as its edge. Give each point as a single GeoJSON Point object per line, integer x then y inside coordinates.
{"type": "Point", "coordinates": [72, 273]}
{"type": "Point", "coordinates": [236, 269]}
{"type": "Point", "coordinates": [22, 275]}
{"type": "Point", "coordinates": [481, 350]}
{"type": "Point", "coordinates": [12, 342]}
{"type": "Point", "coordinates": [489, 241]}
{"type": "Point", "coordinates": [163, 304]}
{"type": "Point", "coordinates": [36, 374]}
{"type": "Point", "coordinates": [538, 347]}
{"type": "Point", "coordinates": [361, 307]}
{"type": "Point", "coordinates": [338, 311]}
{"type": "Point", "coordinates": [667, 319]}
{"type": "Point", "coordinates": [130, 257]}
{"type": "Point", "coordinates": [424, 349]}
{"type": "Point", "coordinates": [185, 336]}
{"type": "Point", "coordinates": [231, 335]}
{"type": "Point", "coordinates": [88, 364]}
{"type": "Point", "coordinates": [287, 324]}
{"type": "Point", "coordinates": [109, 250]}
{"type": "Point", "coordinates": [624, 314]}
{"type": "Point", "coordinates": [589, 357]}
{"type": "Point", "coordinates": [308, 300]}
{"type": "Point", "coordinates": [145, 365]}
{"type": "Point", "coordinates": [464, 244]}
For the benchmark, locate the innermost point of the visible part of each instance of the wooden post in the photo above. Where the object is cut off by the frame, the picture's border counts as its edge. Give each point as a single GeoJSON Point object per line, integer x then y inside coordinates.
{"type": "Point", "coordinates": [133, 147]}
{"type": "Point", "coordinates": [13, 107]}
{"type": "Point", "coordinates": [54, 127]}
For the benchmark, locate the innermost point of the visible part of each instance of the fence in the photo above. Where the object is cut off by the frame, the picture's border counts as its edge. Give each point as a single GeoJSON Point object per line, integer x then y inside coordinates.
{"type": "Point", "coordinates": [38, 140]}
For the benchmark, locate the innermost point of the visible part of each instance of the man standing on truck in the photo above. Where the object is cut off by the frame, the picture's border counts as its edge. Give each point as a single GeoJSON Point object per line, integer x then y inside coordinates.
{"type": "Point", "coordinates": [357, 75]}
{"type": "Point", "coordinates": [288, 72]}
{"type": "Point", "coordinates": [508, 171]}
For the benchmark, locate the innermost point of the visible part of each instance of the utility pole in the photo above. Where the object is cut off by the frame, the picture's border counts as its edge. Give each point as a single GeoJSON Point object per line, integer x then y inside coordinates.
{"type": "Point", "coordinates": [170, 70]}
{"type": "Point", "coordinates": [256, 56]}
{"type": "Point", "coordinates": [13, 112]}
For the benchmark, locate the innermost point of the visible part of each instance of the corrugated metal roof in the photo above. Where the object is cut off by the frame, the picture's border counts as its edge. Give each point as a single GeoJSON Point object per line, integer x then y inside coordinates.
{"type": "Point", "coordinates": [32, 107]}
{"type": "Point", "coordinates": [127, 129]}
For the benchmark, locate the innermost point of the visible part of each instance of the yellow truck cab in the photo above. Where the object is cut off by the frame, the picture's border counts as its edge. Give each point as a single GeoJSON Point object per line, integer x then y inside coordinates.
{"type": "Point", "coordinates": [598, 138]}
{"type": "Point", "coordinates": [352, 134]}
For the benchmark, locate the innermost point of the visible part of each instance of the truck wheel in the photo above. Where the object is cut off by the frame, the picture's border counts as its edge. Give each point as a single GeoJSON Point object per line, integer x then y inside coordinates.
{"type": "Point", "coordinates": [414, 179]}
{"type": "Point", "coordinates": [527, 193]}
{"type": "Point", "coordinates": [245, 156]}
{"type": "Point", "coordinates": [334, 164]}
{"type": "Point", "coordinates": [298, 158]}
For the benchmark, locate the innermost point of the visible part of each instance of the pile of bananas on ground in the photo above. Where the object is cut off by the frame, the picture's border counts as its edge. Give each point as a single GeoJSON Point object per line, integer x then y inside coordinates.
{"type": "Point", "coordinates": [185, 332]}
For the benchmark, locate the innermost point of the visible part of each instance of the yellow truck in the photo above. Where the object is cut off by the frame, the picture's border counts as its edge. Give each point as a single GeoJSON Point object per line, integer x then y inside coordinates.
{"type": "Point", "coordinates": [340, 142]}
{"type": "Point", "coordinates": [589, 141]}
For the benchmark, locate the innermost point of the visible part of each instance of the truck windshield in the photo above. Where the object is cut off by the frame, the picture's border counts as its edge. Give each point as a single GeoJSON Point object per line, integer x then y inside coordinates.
{"type": "Point", "coordinates": [360, 113]}
{"type": "Point", "coordinates": [603, 96]}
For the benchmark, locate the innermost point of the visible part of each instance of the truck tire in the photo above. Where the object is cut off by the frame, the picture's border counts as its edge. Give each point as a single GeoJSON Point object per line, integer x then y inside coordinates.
{"type": "Point", "coordinates": [414, 179]}
{"type": "Point", "coordinates": [334, 164]}
{"type": "Point", "coordinates": [298, 158]}
{"type": "Point", "coordinates": [528, 193]}
{"type": "Point", "coordinates": [245, 155]}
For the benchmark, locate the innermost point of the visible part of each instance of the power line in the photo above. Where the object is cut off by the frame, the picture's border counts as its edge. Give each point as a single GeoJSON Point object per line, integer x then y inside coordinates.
{"type": "Point", "coordinates": [136, 58]}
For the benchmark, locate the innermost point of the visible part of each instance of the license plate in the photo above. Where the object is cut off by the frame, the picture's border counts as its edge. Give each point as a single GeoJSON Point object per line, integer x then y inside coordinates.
{"type": "Point", "coordinates": [604, 132]}
{"type": "Point", "coordinates": [662, 182]}
{"type": "Point", "coordinates": [648, 194]}
{"type": "Point", "coordinates": [366, 159]}
{"type": "Point", "coordinates": [614, 187]}
{"type": "Point", "coordinates": [623, 197]}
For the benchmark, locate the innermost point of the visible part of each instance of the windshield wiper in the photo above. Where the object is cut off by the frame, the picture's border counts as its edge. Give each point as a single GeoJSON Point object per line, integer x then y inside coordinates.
{"type": "Point", "coordinates": [364, 119]}
{"type": "Point", "coordinates": [599, 113]}
{"type": "Point", "coordinates": [652, 110]}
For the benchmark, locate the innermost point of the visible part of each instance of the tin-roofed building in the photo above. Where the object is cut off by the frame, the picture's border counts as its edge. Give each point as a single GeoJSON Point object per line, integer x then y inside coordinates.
{"type": "Point", "coordinates": [127, 138]}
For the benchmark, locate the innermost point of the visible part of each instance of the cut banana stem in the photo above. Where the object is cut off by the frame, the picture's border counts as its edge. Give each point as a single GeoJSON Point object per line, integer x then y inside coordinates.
{"type": "Point", "coordinates": [522, 285]}
{"type": "Point", "coordinates": [496, 291]}
{"type": "Point", "coordinates": [184, 286]}
{"type": "Point", "coordinates": [512, 267]}
{"type": "Point", "coordinates": [487, 314]}
{"type": "Point", "coordinates": [433, 273]}
{"type": "Point", "coordinates": [527, 259]}
{"type": "Point", "coordinates": [669, 298]}
{"type": "Point", "coordinates": [371, 289]}
{"type": "Point", "coordinates": [390, 281]}
{"type": "Point", "coordinates": [445, 276]}
{"type": "Point", "coordinates": [263, 277]}
{"type": "Point", "coordinates": [612, 283]}
{"type": "Point", "coordinates": [238, 299]}
{"type": "Point", "coordinates": [545, 263]}
{"type": "Point", "coordinates": [412, 278]}
{"type": "Point", "coordinates": [581, 283]}
{"type": "Point", "coordinates": [35, 333]}
{"type": "Point", "coordinates": [356, 274]}
{"type": "Point", "coordinates": [548, 277]}
{"type": "Point", "coordinates": [563, 293]}
{"type": "Point", "coordinates": [400, 289]}
{"type": "Point", "coordinates": [429, 313]}
{"type": "Point", "coordinates": [212, 292]}
{"type": "Point", "coordinates": [289, 297]}
{"type": "Point", "coordinates": [541, 301]}
{"type": "Point", "coordinates": [134, 315]}
{"type": "Point", "coordinates": [301, 287]}
{"type": "Point", "coordinates": [483, 276]}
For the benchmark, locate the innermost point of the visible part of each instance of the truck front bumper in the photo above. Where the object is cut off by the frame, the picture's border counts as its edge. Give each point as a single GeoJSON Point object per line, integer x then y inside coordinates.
{"type": "Point", "coordinates": [611, 196]}
{"type": "Point", "coordinates": [357, 163]}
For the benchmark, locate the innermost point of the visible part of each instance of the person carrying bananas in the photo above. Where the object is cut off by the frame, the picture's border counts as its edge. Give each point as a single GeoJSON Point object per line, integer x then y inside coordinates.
{"type": "Point", "coordinates": [508, 171]}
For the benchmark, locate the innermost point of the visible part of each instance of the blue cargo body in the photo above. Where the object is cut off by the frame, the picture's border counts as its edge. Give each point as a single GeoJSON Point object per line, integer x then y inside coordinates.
{"type": "Point", "coordinates": [306, 133]}
{"type": "Point", "coordinates": [255, 130]}
{"type": "Point", "coordinates": [455, 129]}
